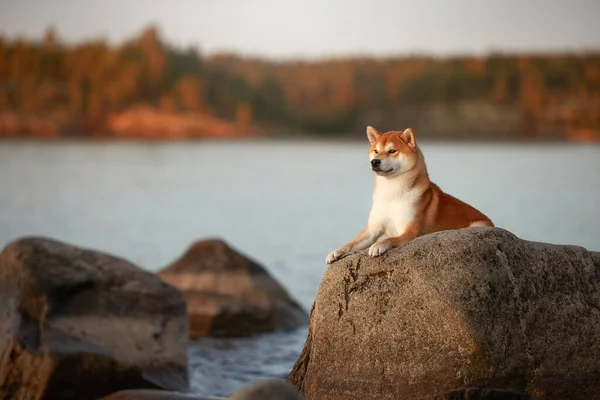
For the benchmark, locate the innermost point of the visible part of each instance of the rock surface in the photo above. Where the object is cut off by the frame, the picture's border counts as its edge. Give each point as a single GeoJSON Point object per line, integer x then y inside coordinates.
{"type": "Point", "coordinates": [230, 295]}
{"type": "Point", "coordinates": [480, 394]}
{"type": "Point", "coordinates": [80, 324]}
{"type": "Point", "coordinates": [467, 308]}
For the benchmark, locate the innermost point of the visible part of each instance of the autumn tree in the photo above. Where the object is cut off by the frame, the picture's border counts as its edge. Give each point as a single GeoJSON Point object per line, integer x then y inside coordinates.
{"type": "Point", "coordinates": [168, 103]}
{"type": "Point", "coordinates": [50, 37]}
{"type": "Point", "coordinates": [189, 93]}
{"type": "Point", "coordinates": [243, 117]}
{"type": "Point", "coordinates": [499, 93]}
{"type": "Point", "coordinates": [153, 54]}
{"type": "Point", "coordinates": [75, 99]}
{"type": "Point", "coordinates": [531, 97]}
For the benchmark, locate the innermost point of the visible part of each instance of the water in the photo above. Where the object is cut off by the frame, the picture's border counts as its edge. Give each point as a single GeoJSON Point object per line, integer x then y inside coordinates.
{"type": "Point", "coordinates": [286, 204]}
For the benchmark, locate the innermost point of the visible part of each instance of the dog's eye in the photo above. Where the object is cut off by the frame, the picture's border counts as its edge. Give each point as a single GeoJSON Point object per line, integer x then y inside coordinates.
{"type": "Point", "coordinates": [375, 151]}
{"type": "Point", "coordinates": [392, 151]}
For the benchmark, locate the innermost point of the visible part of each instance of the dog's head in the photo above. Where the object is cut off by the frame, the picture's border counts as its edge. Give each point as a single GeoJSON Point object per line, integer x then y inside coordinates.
{"type": "Point", "coordinates": [392, 153]}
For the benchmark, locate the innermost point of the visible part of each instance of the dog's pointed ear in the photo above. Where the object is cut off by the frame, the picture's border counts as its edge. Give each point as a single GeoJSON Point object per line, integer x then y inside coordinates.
{"type": "Point", "coordinates": [373, 134]}
{"type": "Point", "coordinates": [409, 138]}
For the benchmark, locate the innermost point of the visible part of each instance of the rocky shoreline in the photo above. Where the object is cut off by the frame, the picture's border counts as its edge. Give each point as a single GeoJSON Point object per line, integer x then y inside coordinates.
{"type": "Point", "coordinates": [468, 314]}
{"type": "Point", "coordinates": [81, 324]}
{"type": "Point", "coordinates": [134, 123]}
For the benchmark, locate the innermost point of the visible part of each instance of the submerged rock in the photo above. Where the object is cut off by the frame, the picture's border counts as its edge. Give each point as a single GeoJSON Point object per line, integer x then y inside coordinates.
{"type": "Point", "coordinates": [267, 389]}
{"type": "Point", "coordinates": [264, 389]}
{"type": "Point", "coordinates": [79, 324]}
{"type": "Point", "coordinates": [470, 308]}
{"type": "Point", "coordinates": [230, 295]}
{"type": "Point", "coordinates": [151, 394]}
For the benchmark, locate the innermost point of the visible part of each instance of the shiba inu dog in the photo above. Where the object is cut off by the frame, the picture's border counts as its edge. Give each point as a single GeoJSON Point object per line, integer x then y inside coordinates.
{"type": "Point", "coordinates": [406, 204]}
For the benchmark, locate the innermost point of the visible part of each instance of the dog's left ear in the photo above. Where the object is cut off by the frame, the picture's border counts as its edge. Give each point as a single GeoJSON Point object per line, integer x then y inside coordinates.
{"type": "Point", "coordinates": [409, 138]}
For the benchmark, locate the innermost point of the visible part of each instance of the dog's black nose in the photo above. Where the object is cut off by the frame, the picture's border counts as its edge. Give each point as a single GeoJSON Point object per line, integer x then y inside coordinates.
{"type": "Point", "coordinates": [376, 162]}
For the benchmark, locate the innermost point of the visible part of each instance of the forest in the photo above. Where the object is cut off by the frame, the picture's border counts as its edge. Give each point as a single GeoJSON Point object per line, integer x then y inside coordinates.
{"type": "Point", "coordinates": [146, 88]}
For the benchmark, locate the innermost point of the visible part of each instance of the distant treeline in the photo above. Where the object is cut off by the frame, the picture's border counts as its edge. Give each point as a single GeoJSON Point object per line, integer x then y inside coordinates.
{"type": "Point", "coordinates": [81, 85]}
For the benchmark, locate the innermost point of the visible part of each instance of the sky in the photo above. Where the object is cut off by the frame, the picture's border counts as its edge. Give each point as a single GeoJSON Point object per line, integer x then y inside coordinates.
{"type": "Point", "coordinates": [320, 28]}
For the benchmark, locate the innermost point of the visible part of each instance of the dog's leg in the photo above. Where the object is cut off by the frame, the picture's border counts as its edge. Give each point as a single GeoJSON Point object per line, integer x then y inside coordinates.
{"type": "Point", "coordinates": [481, 223]}
{"type": "Point", "coordinates": [362, 241]}
{"type": "Point", "coordinates": [411, 232]}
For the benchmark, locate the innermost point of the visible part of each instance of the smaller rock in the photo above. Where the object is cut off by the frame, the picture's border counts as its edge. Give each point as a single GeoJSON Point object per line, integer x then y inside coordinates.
{"type": "Point", "coordinates": [150, 394]}
{"type": "Point", "coordinates": [230, 295]}
{"type": "Point", "coordinates": [267, 389]}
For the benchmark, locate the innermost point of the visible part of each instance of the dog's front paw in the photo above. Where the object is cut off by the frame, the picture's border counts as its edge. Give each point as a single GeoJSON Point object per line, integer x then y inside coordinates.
{"type": "Point", "coordinates": [378, 248]}
{"type": "Point", "coordinates": [334, 256]}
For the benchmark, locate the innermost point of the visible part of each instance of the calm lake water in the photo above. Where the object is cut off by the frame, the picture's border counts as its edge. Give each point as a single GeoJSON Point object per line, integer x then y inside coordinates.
{"type": "Point", "coordinates": [286, 204]}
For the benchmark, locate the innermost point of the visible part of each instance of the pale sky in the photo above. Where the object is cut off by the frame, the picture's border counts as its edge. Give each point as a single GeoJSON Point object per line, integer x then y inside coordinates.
{"type": "Point", "coordinates": [317, 28]}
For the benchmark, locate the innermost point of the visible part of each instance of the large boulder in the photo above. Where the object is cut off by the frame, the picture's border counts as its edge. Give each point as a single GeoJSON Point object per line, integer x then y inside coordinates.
{"type": "Point", "coordinates": [470, 308]}
{"type": "Point", "coordinates": [79, 324]}
{"type": "Point", "coordinates": [229, 294]}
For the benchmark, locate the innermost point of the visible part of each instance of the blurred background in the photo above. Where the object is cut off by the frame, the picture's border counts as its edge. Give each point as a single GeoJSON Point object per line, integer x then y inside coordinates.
{"type": "Point", "coordinates": [161, 70]}
{"type": "Point", "coordinates": [111, 113]}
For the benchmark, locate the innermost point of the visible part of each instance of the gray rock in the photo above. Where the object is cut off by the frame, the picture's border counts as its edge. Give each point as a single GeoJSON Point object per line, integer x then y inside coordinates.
{"type": "Point", "coordinates": [470, 308]}
{"type": "Point", "coordinates": [229, 294]}
{"type": "Point", "coordinates": [80, 324]}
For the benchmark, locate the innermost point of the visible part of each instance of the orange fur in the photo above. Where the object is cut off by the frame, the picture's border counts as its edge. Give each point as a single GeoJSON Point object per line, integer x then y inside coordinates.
{"type": "Point", "coordinates": [406, 204]}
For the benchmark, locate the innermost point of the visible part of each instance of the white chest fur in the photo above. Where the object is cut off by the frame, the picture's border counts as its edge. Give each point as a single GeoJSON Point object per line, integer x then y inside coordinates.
{"type": "Point", "coordinates": [394, 206]}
